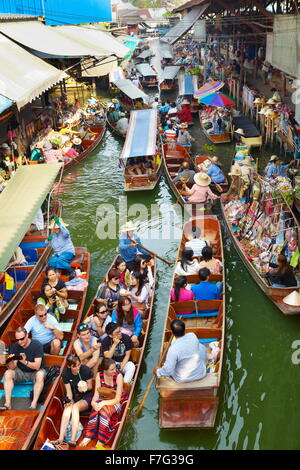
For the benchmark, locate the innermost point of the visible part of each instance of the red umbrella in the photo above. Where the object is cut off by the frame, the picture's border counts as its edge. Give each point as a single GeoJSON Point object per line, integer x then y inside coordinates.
{"type": "Point", "coordinates": [217, 99]}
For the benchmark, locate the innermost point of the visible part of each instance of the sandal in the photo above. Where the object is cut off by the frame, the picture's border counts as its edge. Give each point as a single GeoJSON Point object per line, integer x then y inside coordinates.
{"type": "Point", "coordinates": [5, 408]}
{"type": "Point", "coordinates": [72, 443]}
{"type": "Point", "coordinates": [56, 443]}
{"type": "Point", "coordinates": [62, 446]}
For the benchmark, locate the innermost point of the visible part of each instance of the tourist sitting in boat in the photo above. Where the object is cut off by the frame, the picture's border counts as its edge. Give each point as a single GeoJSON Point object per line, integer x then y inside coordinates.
{"type": "Point", "coordinates": [7, 287]}
{"type": "Point", "coordinates": [107, 403]}
{"type": "Point", "coordinates": [87, 348]}
{"type": "Point", "coordinates": [129, 319]}
{"type": "Point", "coordinates": [128, 248]}
{"type": "Point", "coordinates": [30, 368]}
{"type": "Point", "coordinates": [208, 261]}
{"type": "Point", "coordinates": [200, 191]}
{"type": "Point", "coordinates": [154, 105]}
{"type": "Point", "coordinates": [196, 243]}
{"type": "Point", "coordinates": [147, 166]}
{"type": "Point", "coordinates": [219, 126]}
{"type": "Point", "coordinates": [170, 133]}
{"type": "Point", "coordinates": [188, 263]}
{"type": "Point", "coordinates": [122, 124]}
{"type": "Point", "coordinates": [133, 166]}
{"type": "Point", "coordinates": [282, 274]}
{"type": "Point", "coordinates": [116, 103]}
{"type": "Point", "coordinates": [138, 291]}
{"type": "Point", "coordinates": [118, 346]}
{"type": "Point", "coordinates": [45, 329]}
{"type": "Point", "coordinates": [58, 286]}
{"type": "Point", "coordinates": [18, 258]}
{"type": "Point", "coordinates": [68, 150]}
{"type": "Point", "coordinates": [180, 293]}
{"type": "Point", "coordinates": [186, 173]}
{"type": "Point", "coordinates": [214, 171]}
{"type": "Point", "coordinates": [185, 114]}
{"type": "Point", "coordinates": [77, 379]}
{"type": "Point", "coordinates": [186, 357]}
{"type": "Point", "coordinates": [112, 115]}
{"type": "Point", "coordinates": [77, 145]}
{"type": "Point", "coordinates": [120, 265]}
{"type": "Point", "coordinates": [142, 267]}
{"type": "Point", "coordinates": [51, 301]}
{"type": "Point", "coordinates": [110, 289]}
{"type": "Point", "coordinates": [184, 138]}
{"type": "Point", "coordinates": [61, 244]}
{"type": "Point", "coordinates": [172, 113]}
{"type": "Point", "coordinates": [98, 321]}
{"type": "Point", "coordinates": [206, 290]}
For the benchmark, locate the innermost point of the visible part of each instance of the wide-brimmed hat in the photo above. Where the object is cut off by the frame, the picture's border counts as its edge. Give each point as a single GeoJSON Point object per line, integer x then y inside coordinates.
{"type": "Point", "coordinates": [247, 162]}
{"type": "Point", "coordinates": [202, 179]}
{"type": "Point", "coordinates": [214, 159]}
{"type": "Point", "coordinates": [273, 158]}
{"type": "Point", "coordinates": [77, 141]}
{"type": "Point", "coordinates": [183, 125]}
{"type": "Point", "coordinates": [115, 101]}
{"type": "Point", "coordinates": [53, 224]}
{"type": "Point", "coordinates": [128, 227]}
{"type": "Point", "coordinates": [240, 131]}
{"type": "Point", "coordinates": [4, 146]}
{"type": "Point", "coordinates": [292, 299]}
{"type": "Point", "coordinates": [276, 98]}
{"type": "Point", "coordinates": [271, 101]}
{"type": "Point", "coordinates": [185, 101]}
{"type": "Point", "coordinates": [263, 110]}
{"type": "Point", "coordinates": [257, 101]}
{"type": "Point", "coordinates": [47, 146]}
{"type": "Point", "coordinates": [235, 171]}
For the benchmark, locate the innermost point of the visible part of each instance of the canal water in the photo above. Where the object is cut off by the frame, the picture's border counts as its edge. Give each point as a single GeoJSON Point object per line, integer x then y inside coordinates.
{"type": "Point", "coordinates": [260, 382]}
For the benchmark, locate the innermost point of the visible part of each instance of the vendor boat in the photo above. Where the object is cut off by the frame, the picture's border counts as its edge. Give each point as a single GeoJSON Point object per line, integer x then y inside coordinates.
{"type": "Point", "coordinates": [142, 123]}
{"type": "Point", "coordinates": [199, 159]}
{"type": "Point", "coordinates": [128, 94]}
{"type": "Point", "coordinates": [19, 203]}
{"type": "Point", "coordinates": [19, 426]}
{"type": "Point", "coordinates": [167, 59]}
{"type": "Point", "coordinates": [215, 138]}
{"type": "Point", "coordinates": [253, 237]}
{"type": "Point", "coordinates": [251, 136]}
{"type": "Point", "coordinates": [51, 423]}
{"type": "Point", "coordinates": [148, 75]}
{"type": "Point", "coordinates": [195, 404]}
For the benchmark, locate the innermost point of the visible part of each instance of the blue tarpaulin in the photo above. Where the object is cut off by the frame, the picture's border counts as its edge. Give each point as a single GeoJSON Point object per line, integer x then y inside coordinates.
{"type": "Point", "coordinates": [187, 85]}
{"type": "Point", "coordinates": [5, 103]}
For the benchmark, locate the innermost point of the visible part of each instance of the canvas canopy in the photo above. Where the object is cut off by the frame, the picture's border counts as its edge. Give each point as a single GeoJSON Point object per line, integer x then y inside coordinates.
{"type": "Point", "coordinates": [145, 54]}
{"type": "Point", "coordinates": [169, 73]}
{"type": "Point", "coordinates": [23, 76]}
{"type": "Point", "coordinates": [183, 26]}
{"type": "Point", "coordinates": [166, 54]}
{"type": "Point", "coordinates": [142, 123]}
{"type": "Point", "coordinates": [130, 90]}
{"type": "Point", "coordinates": [19, 203]}
{"type": "Point", "coordinates": [116, 75]}
{"type": "Point", "coordinates": [145, 70]}
{"type": "Point", "coordinates": [5, 103]}
{"type": "Point", "coordinates": [187, 84]}
{"type": "Point", "coordinates": [103, 67]}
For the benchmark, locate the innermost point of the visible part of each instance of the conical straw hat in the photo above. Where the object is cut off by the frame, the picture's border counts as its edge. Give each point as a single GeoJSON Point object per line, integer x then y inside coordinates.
{"type": "Point", "coordinates": [292, 299]}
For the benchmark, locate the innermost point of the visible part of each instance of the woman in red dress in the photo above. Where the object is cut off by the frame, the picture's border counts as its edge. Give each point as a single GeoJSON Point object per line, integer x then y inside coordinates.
{"type": "Point", "coordinates": [185, 114]}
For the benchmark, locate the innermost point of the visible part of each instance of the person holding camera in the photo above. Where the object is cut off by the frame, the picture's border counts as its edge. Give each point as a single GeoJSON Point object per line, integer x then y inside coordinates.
{"type": "Point", "coordinates": [87, 347]}
{"type": "Point", "coordinates": [109, 291]}
{"type": "Point", "coordinates": [77, 379]}
{"type": "Point", "coordinates": [45, 329]}
{"type": "Point", "coordinates": [51, 301]}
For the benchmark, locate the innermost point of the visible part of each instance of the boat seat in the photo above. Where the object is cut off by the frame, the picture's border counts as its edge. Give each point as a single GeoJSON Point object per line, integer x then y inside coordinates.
{"type": "Point", "coordinates": [30, 254]}
{"type": "Point", "coordinates": [207, 340]}
{"type": "Point", "coordinates": [32, 245]}
{"type": "Point", "coordinates": [167, 383]}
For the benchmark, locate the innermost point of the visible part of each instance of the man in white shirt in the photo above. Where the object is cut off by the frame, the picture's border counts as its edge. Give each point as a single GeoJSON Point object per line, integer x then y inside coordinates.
{"type": "Point", "coordinates": [155, 104]}
{"type": "Point", "coordinates": [45, 328]}
{"type": "Point", "coordinates": [196, 243]}
{"type": "Point", "coordinates": [122, 124]}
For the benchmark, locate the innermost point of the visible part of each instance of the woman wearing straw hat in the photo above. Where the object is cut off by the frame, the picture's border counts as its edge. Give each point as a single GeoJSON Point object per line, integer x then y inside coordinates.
{"type": "Point", "coordinates": [128, 249]}
{"type": "Point", "coordinates": [184, 138]}
{"type": "Point", "coordinates": [77, 145]}
{"type": "Point", "coordinates": [200, 191]}
{"type": "Point", "coordinates": [62, 245]}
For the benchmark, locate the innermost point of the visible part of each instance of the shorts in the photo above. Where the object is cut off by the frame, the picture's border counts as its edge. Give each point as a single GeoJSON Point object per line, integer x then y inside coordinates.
{"type": "Point", "coordinates": [88, 396]}
{"type": "Point", "coordinates": [21, 376]}
{"type": "Point", "coordinates": [47, 347]}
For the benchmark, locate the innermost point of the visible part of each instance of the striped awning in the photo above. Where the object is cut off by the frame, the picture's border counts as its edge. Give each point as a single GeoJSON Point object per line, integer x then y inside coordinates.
{"type": "Point", "coordinates": [141, 135]}
{"type": "Point", "coordinates": [188, 84]}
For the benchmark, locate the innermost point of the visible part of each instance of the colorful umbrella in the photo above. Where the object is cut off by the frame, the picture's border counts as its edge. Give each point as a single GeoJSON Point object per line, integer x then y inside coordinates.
{"type": "Point", "coordinates": [217, 99]}
{"type": "Point", "coordinates": [207, 88]}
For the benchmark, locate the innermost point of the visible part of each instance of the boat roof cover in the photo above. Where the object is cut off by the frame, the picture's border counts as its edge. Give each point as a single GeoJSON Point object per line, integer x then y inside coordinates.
{"type": "Point", "coordinates": [242, 122]}
{"type": "Point", "coordinates": [130, 90]}
{"type": "Point", "coordinates": [166, 54]}
{"type": "Point", "coordinates": [24, 76]}
{"type": "Point", "coordinates": [141, 124]}
{"type": "Point", "coordinates": [187, 84]}
{"type": "Point", "coordinates": [145, 54]}
{"type": "Point", "coordinates": [184, 25]}
{"type": "Point", "coordinates": [169, 72]}
{"type": "Point", "coordinates": [116, 75]}
{"type": "Point", "coordinates": [145, 70]}
{"type": "Point", "coordinates": [5, 103]}
{"type": "Point", "coordinates": [19, 203]}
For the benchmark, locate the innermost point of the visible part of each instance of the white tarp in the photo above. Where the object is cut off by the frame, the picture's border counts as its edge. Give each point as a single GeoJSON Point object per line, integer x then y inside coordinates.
{"type": "Point", "coordinates": [103, 67]}
{"type": "Point", "coordinates": [145, 70]}
{"type": "Point", "coordinates": [132, 91]}
{"type": "Point", "coordinates": [169, 73]}
{"type": "Point", "coordinates": [286, 41]}
{"type": "Point", "coordinates": [184, 25]}
{"type": "Point", "coordinates": [24, 76]}
{"type": "Point", "coordinates": [52, 41]}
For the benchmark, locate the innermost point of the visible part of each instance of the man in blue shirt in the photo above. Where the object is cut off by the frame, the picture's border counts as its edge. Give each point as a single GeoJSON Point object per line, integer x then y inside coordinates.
{"type": "Point", "coordinates": [275, 168]}
{"type": "Point", "coordinates": [215, 172]}
{"type": "Point", "coordinates": [206, 290]}
{"type": "Point", "coordinates": [45, 329]}
{"type": "Point", "coordinates": [129, 249]}
{"type": "Point", "coordinates": [61, 244]}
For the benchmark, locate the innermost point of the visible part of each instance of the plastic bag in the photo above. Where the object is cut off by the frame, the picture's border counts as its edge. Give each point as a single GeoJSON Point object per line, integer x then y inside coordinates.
{"type": "Point", "coordinates": [69, 432]}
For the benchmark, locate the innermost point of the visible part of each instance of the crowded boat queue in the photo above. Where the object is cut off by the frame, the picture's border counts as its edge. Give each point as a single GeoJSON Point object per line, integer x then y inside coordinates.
{"type": "Point", "coordinates": [137, 266]}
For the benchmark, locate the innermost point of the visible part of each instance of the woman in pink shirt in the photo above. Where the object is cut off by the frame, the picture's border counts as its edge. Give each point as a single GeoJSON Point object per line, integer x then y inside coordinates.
{"type": "Point", "coordinates": [52, 153]}
{"type": "Point", "coordinates": [179, 293]}
{"type": "Point", "coordinates": [201, 190]}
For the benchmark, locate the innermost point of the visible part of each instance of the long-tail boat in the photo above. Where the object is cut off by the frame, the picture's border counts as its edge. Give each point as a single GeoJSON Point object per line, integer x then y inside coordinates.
{"type": "Point", "coordinates": [128, 93]}
{"type": "Point", "coordinates": [168, 80]}
{"type": "Point", "coordinates": [195, 404]}
{"type": "Point", "coordinates": [19, 203]}
{"type": "Point", "coordinates": [223, 138]}
{"type": "Point", "coordinates": [173, 156]}
{"type": "Point", "coordinates": [51, 423]}
{"type": "Point", "coordinates": [253, 237]}
{"type": "Point", "coordinates": [141, 141]}
{"type": "Point", "coordinates": [188, 85]}
{"type": "Point", "coordinates": [19, 426]}
{"type": "Point", "coordinates": [148, 75]}
{"type": "Point", "coordinates": [200, 159]}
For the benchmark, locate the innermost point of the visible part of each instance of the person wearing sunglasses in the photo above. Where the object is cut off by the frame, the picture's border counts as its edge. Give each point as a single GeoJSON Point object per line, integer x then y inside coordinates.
{"type": "Point", "coordinates": [45, 329]}
{"type": "Point", "coordinates": [25, 363]}
{"type": "Point", "coordinates": [118, 346]}
{"type": "Point", "coordinates": [111, 288]}
{"type": "Point", "coordinates": [87, 347]}
{"type": "Point", "coordinates": [98, 321]}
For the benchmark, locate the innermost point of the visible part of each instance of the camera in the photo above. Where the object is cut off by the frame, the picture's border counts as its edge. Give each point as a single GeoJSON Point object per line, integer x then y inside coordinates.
{"type": "Point", "coordinates": [110, 304]}
{"type": "Point", "coordinates": [53, 297]}
{"type": "Point", "coordinates": [65, 400]}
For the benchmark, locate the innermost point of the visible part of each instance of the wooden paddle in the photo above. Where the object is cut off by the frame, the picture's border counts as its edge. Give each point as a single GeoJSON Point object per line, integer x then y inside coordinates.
{"type": "Point", "coordinates": [151, 252]}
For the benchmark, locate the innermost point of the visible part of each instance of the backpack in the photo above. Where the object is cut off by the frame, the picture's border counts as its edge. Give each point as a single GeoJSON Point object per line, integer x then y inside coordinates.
{"type": "Point", "coordinates": [50, 376]}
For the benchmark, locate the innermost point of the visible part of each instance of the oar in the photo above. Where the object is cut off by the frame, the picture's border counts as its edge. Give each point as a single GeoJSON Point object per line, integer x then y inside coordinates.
{"type": "Point", "coordinates": [151, 252]}
{"type": "Point", "coordinates": [162, 358]}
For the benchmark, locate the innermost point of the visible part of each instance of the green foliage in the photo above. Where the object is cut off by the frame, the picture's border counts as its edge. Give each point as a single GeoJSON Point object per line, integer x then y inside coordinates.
{"type": "Point", "coordinates": [210, 149]}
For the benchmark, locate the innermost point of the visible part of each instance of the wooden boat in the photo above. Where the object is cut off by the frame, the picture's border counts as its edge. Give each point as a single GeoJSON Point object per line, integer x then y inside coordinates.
{"type": "Point", "coordinates": [188, 85]}
{"type": "Point", "coordinates": [195, 404]}
{"type": "Point", "coordinates": [51, 423]}
{"type": "Point", "coordinates": [148, 75]}
{"type": "Point", "coordinates": [215, 138]}
{"type": "Point", "coordinates": [167, 59]}
{"type": "Point", "coordinates": [112, 127]}
{"type": "Point", "coordinates": [19, 426]}
{"type": "Point", "coordinates": [128, 94]}
{"type": "Point", "coordinates": [251, 137]}
{"type": "Point", "coordinates": [141, 123]}
{"type": "Point", "coordinates": [200, 159]}
{"type": "Point", "coordinates": [89, 145]}
{"type": "Point", "coordinates": [275, 294]}
{"type": "Point", "coordinates": [36, 183]}
{"type": "Point", "coordinates": [173, 156]}
{"type": "Point", "coordinates": [168, 80]}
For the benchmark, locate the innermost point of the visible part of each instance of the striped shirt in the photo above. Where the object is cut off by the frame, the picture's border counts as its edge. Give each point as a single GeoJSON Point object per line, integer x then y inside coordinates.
{"type": "Point", "coordinates": [196, 245]}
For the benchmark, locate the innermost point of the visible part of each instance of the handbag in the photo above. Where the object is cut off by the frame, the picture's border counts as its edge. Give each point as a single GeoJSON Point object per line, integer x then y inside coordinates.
{"type": "Point", "coordinates": [106, 393]}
